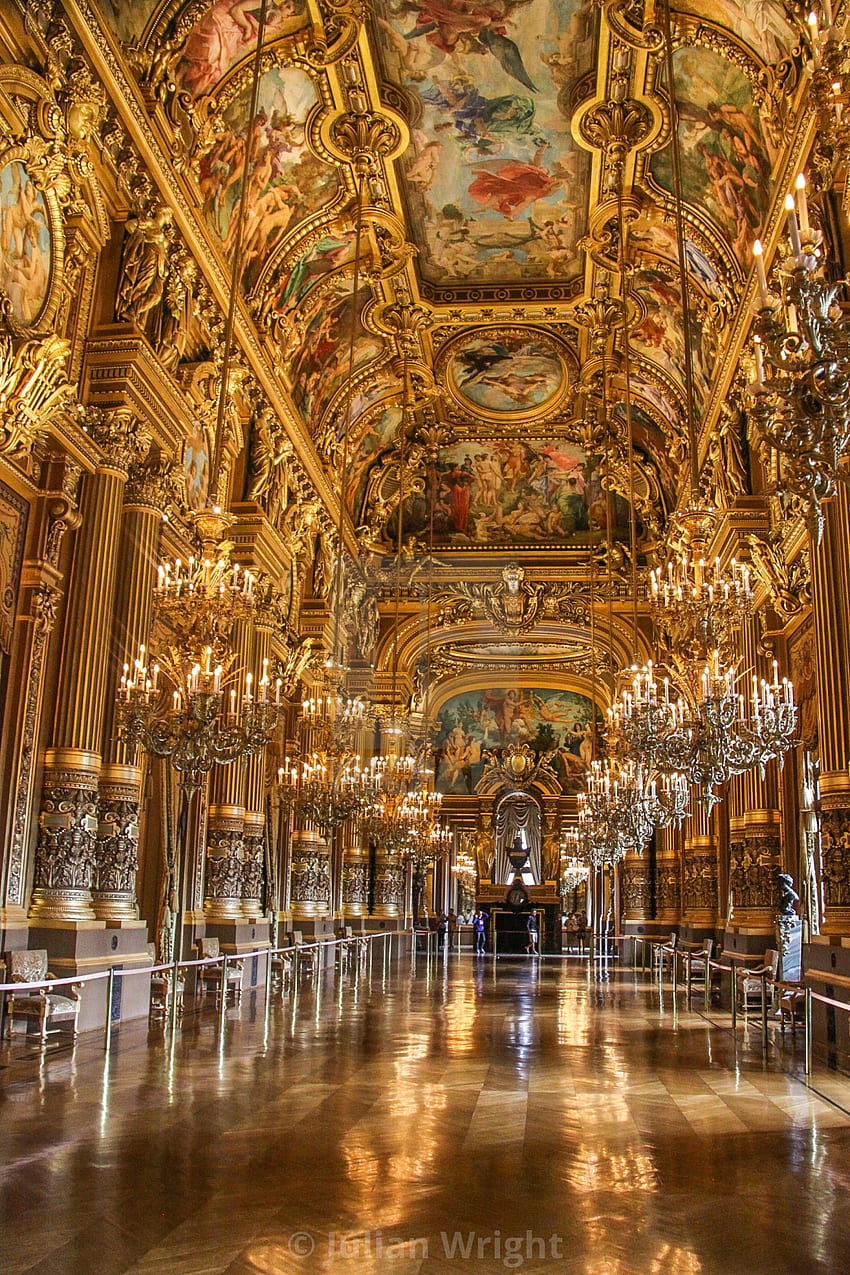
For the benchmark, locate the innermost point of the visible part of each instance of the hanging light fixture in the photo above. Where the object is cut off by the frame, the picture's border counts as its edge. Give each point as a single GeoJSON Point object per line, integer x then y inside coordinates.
{"type": "Point", "coordinates": [207, 719]}
{"type": "Point", "coordinates": [703, 727]}
{"type": "Point", "coordinates": [800, 392]}
{"type": "Point", "coordinates": [330, 784]}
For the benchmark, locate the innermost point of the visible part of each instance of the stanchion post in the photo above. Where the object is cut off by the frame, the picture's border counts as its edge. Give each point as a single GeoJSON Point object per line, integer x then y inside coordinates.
{"type": "Point", "coordinates": [175, 979]}
{"type": "Point", "coordinates": [107, 1034]}
{"type": "Point", "coordinates": [222, 1009]}
{"type": "Point", "coordinates": [764, 1013]}
{"type": "Point", "coordinates": [734, 985]}
{"type": "Point", "coordinates": [807, 1033]}
{"type": "Point", "coordinates": [674, 962]}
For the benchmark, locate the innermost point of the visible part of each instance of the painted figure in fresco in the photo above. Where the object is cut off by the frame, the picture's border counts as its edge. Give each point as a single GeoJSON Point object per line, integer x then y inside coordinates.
{"type": "Point", "coordinates": [470, 26]}
{"type": "Point", "coordinates": [509, 187]}
{"type": "Point", "coordinates": [24, 244]}
{"type": "Point", "coordinates": [223, 35]}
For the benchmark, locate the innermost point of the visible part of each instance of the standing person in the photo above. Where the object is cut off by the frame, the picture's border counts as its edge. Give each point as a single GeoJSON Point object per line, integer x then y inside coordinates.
{"type": "Point", "coordinates": [572, 931]}
{"type": "Point", "coordinates": [532, 927]}
{"type": "Point", "coordinates": [454, 930]}
{"type": "Point", "coordinates": [442, 925]}
{"type": "Point", "coordinates": [479, 925]}
{"type": "Point", "coordinates": [581, 932]}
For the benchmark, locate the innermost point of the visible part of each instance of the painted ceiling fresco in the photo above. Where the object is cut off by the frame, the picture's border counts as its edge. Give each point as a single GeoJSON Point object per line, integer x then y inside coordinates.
{"type": "Point", "coordinates": [544, 719]}
{"type": "Point", "coordinates": [286, 181]}
{"type": "Point", "coordinates": [494, 183]}
{"type": "Point", "coordinates": [506, 372]}
{"type": "Point", "coordinates": [726, 159]}
{"type": "Point", "coordinates": [509, 491]}
{"type": "Point", "coordinates": [225, 34]}
{"type": "Point", "coordinates": [495, 204]}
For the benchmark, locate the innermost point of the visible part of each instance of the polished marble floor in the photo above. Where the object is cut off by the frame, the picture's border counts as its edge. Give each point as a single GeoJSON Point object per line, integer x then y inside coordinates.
{"type": "Point", "coordinates": [469, 1116]}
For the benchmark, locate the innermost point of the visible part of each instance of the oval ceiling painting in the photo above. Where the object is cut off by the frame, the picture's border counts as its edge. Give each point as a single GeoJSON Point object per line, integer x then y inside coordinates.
{"type": "Point", "coordinates": [498, 372]}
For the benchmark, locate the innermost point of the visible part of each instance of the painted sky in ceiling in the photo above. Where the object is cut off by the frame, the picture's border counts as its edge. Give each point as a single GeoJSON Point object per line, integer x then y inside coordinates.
{"type": "Point", "coordinates": [495, 187]}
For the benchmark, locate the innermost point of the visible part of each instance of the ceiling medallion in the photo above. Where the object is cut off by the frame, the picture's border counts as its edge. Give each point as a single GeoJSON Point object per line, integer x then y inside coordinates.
{"type": "Point", "coordinates": [506, 374]}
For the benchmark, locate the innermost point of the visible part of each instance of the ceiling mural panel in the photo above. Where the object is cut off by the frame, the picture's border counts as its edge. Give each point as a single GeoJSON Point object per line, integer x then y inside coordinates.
{"type": "Point", "coordinates": [375, 433]}
{"type": "Point", "coordinates": [502, 492]}
{"type": "Point", "coordinates": [128, 18]}
{"type": "Point", "coordinates": [726, 160]}
{"type": "Point", "coordinates": [659, 336]}
{"type": "Point", "coordinates": [506, 372]}
{"type": "Point", "coordinates": [495, 187]}
{"type": "Point", "coordinates": [323, 360]}
{"type": "Point", "coordinates": [226, 33]}
{"type": "Point", "coordinates": [287, 182]}
{"type": "Point", "coordinates": [543, 718]}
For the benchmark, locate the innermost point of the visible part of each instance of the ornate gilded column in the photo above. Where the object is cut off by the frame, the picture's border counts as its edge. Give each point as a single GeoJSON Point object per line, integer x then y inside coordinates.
{"type": "Point", "coordinates": [355, 873]}
{"type": "Point", "coordinates": [145, 498]}
{"type": "Point", "coordinates": [225, 856]}
{"type": "Point", "coordinates": [831, 608]}
{"type": "Point", "coordinates": [66, 850]}
{"type": "Point", "coordinates": [755, 834]}
{"type": "Point", "coordinates": [668, 878]}
{"type": "Point", "coordinates": [39, 600]}
{"type": "Point", "coordinates": [254, 822]}
{"type": "Point", "coordinates": [699, 870]}
{"type": "Point", "coordinates": [636, 902]}
{"type": "Point", "coordinates": [310, 877]}
{"type": "Point", "coordinates": [389, 886]}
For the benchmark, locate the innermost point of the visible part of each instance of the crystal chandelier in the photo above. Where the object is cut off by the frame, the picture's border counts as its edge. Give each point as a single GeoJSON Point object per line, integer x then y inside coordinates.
{"type": "Point", "coordinates": [711, 731]}
{"type": "Point", "coordinates": [800, 393]}
{"type": "Point", "coordinates": [697, 604]}
{"type": "Point", "coordinates": [574, 869]}
{"type": "Point", "coordinates": [206, 721]}
{"type": "Point", "coordinates": [332, 788]}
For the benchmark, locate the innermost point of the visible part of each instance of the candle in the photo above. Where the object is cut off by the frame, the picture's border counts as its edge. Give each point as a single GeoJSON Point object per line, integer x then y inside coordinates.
{"type": "Point", "coordinates": [793, 227]}
{"type": "Point", "coordinates": [802, 203]}
{"type": "Point", "coordinates": [761, 276]}
{"type": "Point", "coordinates": [815, 38]}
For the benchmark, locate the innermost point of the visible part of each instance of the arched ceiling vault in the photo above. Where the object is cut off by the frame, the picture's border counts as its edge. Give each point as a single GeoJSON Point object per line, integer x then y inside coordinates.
{"type": "Point", "coordinates": [512, 167]}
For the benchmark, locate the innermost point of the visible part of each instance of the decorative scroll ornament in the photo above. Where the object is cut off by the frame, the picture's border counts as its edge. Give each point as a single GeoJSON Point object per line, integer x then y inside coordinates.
{"type": "Point", "coordinates": [33, 390]}
{"type": "Point", "coordinates": [514, 605]}
{"type": "Point", "coordinates": [616, 127]}
{"type": "Point", "coordinates": [788, 584]}
{"type": "Point", "coordinates": [518, 766]}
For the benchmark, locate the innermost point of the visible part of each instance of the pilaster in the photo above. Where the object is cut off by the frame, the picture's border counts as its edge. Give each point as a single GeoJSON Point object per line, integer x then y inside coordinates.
{"type": "Point", "coordinates": [66, 850]}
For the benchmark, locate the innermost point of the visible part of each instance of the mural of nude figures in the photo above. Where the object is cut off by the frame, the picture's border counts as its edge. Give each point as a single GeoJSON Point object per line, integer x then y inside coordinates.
{"type": "Point", "coordinates": [225, 34]}
{"type": "Point", "coordinates": [474, 721]}
{"type": "Point", "coordinates": [25, 247]}
{"type": "Point", "coordinates": [494, 180]}
{"type": "Point", "coordinates": [507, 490]}
{"type": "Point", "coordinates": [725, 159]}
{"type": "Point", "coordinates": [286, 180]}
{"type": "Point", "coordinates": [508, 372]}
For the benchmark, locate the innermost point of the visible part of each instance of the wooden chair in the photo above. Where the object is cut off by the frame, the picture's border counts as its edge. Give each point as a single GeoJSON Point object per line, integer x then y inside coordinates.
{"type": "Point", "coordinates": [161, 988]}
{"type": "Point", "coordinates": [306, 960]}
{"type": "Point", "coordinates": [41, 1005]}
{"type": "Point", "coordinates": [792, 1004]}
{"type": "Point", "coordinates": [209, 976]}
{"type": "Point", "coordinates": [749, 981]}
{"type": "Point", "coordinates": [697, 969]}
{"type": "Point", "coordinates": [664, 954]}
